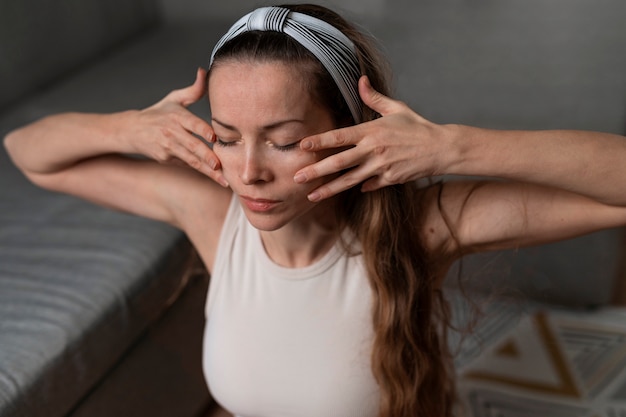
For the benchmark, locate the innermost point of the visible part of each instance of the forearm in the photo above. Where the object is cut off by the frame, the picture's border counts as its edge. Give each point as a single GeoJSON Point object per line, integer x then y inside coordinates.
{"type": "Point", "coordinates": [588, 163]}
{"type": "Point", "coordinates": [57, 142]}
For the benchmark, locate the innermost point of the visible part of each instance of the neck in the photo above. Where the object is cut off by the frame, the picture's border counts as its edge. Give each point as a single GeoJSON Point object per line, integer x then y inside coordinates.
{"type": "Point", "coordinates": [303, 241]}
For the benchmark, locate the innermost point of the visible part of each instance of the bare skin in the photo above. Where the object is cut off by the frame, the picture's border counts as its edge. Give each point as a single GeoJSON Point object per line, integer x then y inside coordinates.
{"type": "Point", "coordinates": [258, 120]}
{"type": "Point", "coordinates": [557, 184]}
{"type": "Point", "coordinates": [259, 151]}
{"type": "Point", "coordinates": [550, 185]}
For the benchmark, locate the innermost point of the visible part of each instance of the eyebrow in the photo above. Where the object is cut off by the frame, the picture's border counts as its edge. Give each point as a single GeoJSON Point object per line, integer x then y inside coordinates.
{"type": "Point", "coordinates": [270, 126]}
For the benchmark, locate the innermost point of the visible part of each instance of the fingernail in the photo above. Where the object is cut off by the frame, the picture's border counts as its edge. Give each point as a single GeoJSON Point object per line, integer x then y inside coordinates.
{"type": "Point", "coordinates": [314, 196]}
{"type": "Point", "coordinates": [306, 145]}
{"type": "Point", "coordinates": [212, 163]}
{"type": "Point", "coordinates": [223, 182]}
{"type": "Point", "coordinates": [299, 178]}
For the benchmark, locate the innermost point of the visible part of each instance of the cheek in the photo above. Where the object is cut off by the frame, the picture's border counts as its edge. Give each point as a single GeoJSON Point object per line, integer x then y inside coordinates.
{"type": "Point", "coordinates": [292, 161]}
{"type": "Point", "coordinates": [227, 160]}
{"type": "Point", "coordinates": [287, 168]}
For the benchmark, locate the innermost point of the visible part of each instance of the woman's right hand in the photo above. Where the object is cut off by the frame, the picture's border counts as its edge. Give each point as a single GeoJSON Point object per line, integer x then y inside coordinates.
{"type": "Point", "coordinates": [169, 133]}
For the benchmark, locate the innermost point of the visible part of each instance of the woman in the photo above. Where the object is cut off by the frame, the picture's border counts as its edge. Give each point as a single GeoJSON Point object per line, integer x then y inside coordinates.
{"type": "Point", "coordinates": [325, 300]}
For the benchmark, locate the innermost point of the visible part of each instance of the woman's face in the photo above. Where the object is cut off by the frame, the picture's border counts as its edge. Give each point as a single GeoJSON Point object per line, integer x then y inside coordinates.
{"type": "Point", "coordinates": [260, 112]}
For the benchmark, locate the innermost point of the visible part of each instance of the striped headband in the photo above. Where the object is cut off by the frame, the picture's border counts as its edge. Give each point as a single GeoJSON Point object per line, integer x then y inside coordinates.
{"type": "Point", "coordinates": [329, 45]}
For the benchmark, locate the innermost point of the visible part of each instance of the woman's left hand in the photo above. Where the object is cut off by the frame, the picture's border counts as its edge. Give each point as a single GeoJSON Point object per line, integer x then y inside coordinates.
{"type": "Point", "coordinates": [398, 147]}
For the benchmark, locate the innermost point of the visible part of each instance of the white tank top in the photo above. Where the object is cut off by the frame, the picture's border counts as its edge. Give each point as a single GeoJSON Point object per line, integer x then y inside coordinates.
{"type": "Point", "coordinates": [287, 342]}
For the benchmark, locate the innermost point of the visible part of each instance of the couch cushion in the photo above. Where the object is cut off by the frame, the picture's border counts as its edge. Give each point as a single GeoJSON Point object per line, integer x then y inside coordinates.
{"type": "Point", "coordinates": [77, 285]}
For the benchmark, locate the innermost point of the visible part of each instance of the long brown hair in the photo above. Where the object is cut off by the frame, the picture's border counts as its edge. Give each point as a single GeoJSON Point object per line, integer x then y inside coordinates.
{"type": "Point", "coordinates": [410, 358]}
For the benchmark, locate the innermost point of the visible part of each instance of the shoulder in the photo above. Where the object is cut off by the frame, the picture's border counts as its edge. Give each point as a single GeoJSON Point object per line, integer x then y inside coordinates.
{"type": "Point", "coordinates": [196, 201]}
{"type": "Point", "coordinates": [199, 207]}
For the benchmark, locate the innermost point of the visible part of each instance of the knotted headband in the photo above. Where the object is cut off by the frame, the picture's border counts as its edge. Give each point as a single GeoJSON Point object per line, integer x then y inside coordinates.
{"type": "Point", "coordinates": [329, 45]}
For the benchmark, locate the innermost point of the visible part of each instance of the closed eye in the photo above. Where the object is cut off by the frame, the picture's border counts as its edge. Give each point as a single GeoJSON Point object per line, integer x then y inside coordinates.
{"type": "Point", "coordinates": [225, 143]}
{"type": "Point", "coordinates": [285, 148]}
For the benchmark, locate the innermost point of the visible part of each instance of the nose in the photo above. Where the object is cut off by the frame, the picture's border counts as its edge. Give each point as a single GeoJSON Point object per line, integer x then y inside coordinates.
{"type": "Point", "coordinates": [255, 168]}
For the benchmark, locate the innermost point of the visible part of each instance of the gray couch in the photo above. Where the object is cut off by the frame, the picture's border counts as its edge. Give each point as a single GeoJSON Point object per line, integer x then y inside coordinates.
{"type": "Point", "coordinates": [98, 313]}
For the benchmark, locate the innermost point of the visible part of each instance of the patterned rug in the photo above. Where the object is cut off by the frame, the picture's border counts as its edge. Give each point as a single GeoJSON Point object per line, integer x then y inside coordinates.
{"type": "Point", "coordinates": [532, 361]}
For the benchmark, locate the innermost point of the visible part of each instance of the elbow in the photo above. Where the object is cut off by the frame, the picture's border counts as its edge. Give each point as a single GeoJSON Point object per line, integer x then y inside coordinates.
{"type": "Point", "coordinates": [10, 143]}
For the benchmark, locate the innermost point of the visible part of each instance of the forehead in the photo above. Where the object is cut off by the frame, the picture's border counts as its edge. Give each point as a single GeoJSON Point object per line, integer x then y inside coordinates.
{"type": "Point", "coordinates": [254, 86]}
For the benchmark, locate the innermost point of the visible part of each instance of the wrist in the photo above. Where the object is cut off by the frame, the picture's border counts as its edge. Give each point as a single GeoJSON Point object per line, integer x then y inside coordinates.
{"type": "Point", "coordinates": [454, 138]}
{"type": "Point", "coordinates": [118, 130]}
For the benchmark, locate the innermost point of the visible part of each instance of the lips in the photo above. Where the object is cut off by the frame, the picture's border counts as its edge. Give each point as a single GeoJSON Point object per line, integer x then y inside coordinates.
{"type": "Point", "coordinates": [258, 204]}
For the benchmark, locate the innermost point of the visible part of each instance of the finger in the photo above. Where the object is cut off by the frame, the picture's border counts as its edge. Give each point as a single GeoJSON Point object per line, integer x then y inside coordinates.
{"type": "Point", "coordinates": [197, 90]}
{"type": "Point", "coordinates": [200, 150]}
{"type": "Point", "coordinates": [188, 155]}
{"type": "Point", "coordinates": [189, 95]}
{"type": "Point", "coordinates": [330, 165]}
{"type": "Point", "coordinates": [196, 125]}
{"type": "Point", "coordinates": [198, 163]}
{"type": "Point", "coordinates": [376, 101]}
{"type": "Point", "coordinates": [217, 176]}
{"type": "Point", "coordinates": [372, 184]}
{"type": "Point", "coordinates": [338, 185]}
{"type": "Point", "coordinates": [338, 138]}
{"type": "Point", "coordinates": [210, 158]}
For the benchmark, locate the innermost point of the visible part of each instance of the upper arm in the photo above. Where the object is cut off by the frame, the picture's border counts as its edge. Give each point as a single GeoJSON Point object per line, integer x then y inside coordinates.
{"type": "Point", "coordinates": [143, 187]}
{"type": "Point", "coordinates": [476, 216]}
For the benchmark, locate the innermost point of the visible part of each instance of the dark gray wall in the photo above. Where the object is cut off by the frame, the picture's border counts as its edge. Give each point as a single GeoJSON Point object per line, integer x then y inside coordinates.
{"type": "Point", "coordinates": [41, 40]}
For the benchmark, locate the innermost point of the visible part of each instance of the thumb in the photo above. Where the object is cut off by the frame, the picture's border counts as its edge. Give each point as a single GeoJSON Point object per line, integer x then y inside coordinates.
{"type": "Point", "coordinates": [189, 95]}
{"type": "Point", "coordinates": [376, 101]}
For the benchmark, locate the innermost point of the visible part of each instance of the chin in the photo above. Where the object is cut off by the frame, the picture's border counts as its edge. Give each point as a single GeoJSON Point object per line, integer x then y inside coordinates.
{"type": "Point", "coordinates": [264, 222]}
